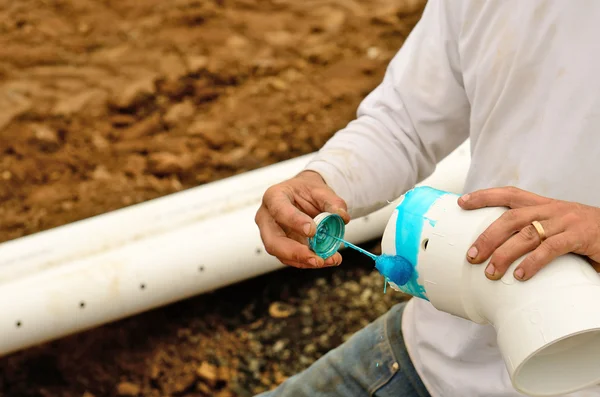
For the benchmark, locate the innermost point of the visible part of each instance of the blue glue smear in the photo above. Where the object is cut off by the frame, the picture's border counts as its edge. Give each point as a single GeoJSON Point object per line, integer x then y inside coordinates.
{"type": "Point", "coordinates": [409, 226]}
{"type": "Point", "coordinates": [395, 269]}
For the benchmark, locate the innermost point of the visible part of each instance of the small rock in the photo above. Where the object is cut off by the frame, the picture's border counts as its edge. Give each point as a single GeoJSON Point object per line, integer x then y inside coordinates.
{"type": "Point", "coordinates": [183, 383]}
{"type": "Point", "coordinates": [46, 137]}
{"type": "Point", "coordinates": [204, 389]}
{"type": "Point", "coordinates": [142, 128]}
{"type": "Point", "coordinates": [179, 113]}
{"type": "Point", "coordinates": [224, 374]}
{"type": "Point", "coordinates": [305, 360]}
{"type": "Point", "coordinates": [237, 42]}
{"type": "Point", "coordinates": [210, 131]}
{"type": "Point", "coordinates": [135, 93]}
{"type": "Point", "coordinates": [235, 156]}
{"type": "Point", "coordinates": [67, 205]}
{"type": "Point", "coordinates": [306, 310]}
{"type": "Point", "coordinates": [307, 331]}
{"type": "Point", "coordinates": [267, 66]}
{"type": "Point", "coordinates": [99, 142]}
{"type": "Point", "coordinates": [279, 346]}
{"type": "Point", "coordinates": [324, 340]}
{"type": "Point", "coordinates": [12, 105]}
{"type": "Point", "coordinates": [281, 310]}
{"type": "Point", "coordinates": [174, 89]}
{"type": "Point", "coordinates": [366, 295]}
{"type": "Point", "coordinates": [6, 175]}
{"type": "Point", "coordinates": [172, 66]}
{"type": "Point", "coordinates": [254, 365]}
{"type": "Point", "coordinates": [101, 173]}
{"type": "Point", "coordinates": [280, 38]}
{"type": "Point", "coordinates": [83, 28]}
{"type": "Point", "coordinates": [76, 103]}
{"type": "Point", "coordinates": [334, 21]}
{"type": "Point", "coordinates": [352, 286]}
{"type": "Point", "coordinates": [135, 165]}
{"type": "Point", "coordinates": [278, 84]}
{"type": "Point", "coordinates": [384, 18]}
{"type": "Point", "coordinates": [88, 394]}
{"type": "Point", "coordinates": [128, 389]}
{"type": "Point", "coordinates": [373, 52]}
{"type": "Point", "coordinates": [163, 163]}
{"type": "Point", "coordinates": [176, 183]}
{"type": "Point", "coordinates": [207, 372]}
{"type": "Point", "coordinates": [310, 349]}
{"type": "Point", "coordinates": [197, 63]}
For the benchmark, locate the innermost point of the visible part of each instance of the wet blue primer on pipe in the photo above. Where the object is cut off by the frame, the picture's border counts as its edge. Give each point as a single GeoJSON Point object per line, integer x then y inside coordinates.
{"type": "Point", "coordinates": [409, 226]}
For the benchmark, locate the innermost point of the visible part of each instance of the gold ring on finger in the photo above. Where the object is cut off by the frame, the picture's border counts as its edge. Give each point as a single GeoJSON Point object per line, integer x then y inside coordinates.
{"type": "Point", "coordinates": [540, 229]}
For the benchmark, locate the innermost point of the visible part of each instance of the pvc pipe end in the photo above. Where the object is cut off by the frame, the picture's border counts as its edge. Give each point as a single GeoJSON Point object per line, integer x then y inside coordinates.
{"type": "Point", "coordinates": [552, 345]}
{"type": "Point", "coordinates": [330, 228]}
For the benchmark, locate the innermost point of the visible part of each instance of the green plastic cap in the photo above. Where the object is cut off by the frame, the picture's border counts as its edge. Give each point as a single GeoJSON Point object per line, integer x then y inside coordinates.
{"type": "Point", "coordinates": [329, 226]}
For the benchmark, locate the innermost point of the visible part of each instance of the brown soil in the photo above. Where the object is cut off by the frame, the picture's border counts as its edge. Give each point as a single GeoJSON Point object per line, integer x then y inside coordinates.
{"type": "Point", "coordinates": [106, 103]}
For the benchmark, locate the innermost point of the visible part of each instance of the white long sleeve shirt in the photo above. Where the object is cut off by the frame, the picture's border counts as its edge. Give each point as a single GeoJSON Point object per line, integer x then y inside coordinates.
{"type": "Point", "coordinates": [521, 78]}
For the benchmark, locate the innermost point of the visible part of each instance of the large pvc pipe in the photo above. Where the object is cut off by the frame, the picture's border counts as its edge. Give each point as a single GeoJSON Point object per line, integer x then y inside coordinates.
{"type": "Point", "coordinates": [101, 269]}
{"type": "Point", "coordinates": [548, 328]}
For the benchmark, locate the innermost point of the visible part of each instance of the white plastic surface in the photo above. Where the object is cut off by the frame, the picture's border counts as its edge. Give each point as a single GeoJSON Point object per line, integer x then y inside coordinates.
{"type": "Point", "coordinates": [101, 269]}
{"type": "Point", "coordinates": [548, 328]}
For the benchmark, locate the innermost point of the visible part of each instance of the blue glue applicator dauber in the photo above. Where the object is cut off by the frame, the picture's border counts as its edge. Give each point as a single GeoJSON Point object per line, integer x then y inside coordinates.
{"type": "Point", "coordinates": [329, 237]}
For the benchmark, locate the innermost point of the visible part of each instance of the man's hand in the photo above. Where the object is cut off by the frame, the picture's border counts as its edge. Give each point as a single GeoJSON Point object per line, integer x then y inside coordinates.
{"type": "Point", "coordinates": [285, 219]}
{"type": "Point", "coordinates": [569, 227]}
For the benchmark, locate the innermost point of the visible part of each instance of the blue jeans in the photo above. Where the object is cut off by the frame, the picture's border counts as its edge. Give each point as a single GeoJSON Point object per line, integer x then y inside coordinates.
{"type": "Point", "coordinates": [373, 362]}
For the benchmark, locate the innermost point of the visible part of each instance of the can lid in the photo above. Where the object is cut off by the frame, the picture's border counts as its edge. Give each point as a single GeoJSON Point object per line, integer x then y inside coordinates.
{"type": "Point", "coordinates": [329, 226]}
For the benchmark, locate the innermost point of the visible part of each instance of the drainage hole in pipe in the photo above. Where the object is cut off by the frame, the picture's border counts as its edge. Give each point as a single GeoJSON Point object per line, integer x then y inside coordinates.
{"type": "Point", "coordinates": [424, 244]}
{"type": "Point", "coordinates": [201, 268]}
{"type": "Point", "coordinates": [366, 219]}
{"type": "Point", "coordinates": [82, 304]}
{"type": "Point", "coordinates": [18, 324]}
{"type": "Point", "coordinates": [258, 251]}
{"type": "Point", "coordinates": [142, 286]}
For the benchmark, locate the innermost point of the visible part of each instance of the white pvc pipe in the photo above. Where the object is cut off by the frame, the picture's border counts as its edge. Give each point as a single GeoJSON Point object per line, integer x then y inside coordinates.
{"type": "Point", "coordinates": [27, 255]}
{"type": "Point", "coordinates": [98, 270]}
{"type": "Point", "coordinates": [548, 328]}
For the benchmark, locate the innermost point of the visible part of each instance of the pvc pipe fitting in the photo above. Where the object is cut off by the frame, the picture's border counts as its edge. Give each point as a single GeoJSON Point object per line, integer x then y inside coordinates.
{"type": "Point", "coordinates": [548, 328]}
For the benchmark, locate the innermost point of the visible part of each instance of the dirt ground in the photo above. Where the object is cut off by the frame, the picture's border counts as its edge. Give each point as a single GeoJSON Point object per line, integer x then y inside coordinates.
{"type": "Point", "coordinates": [107, 103]}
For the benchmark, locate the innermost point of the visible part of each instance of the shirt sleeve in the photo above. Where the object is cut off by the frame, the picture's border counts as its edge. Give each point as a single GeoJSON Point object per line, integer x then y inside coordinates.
{"type": "Point", "coordinates": [418, 115]}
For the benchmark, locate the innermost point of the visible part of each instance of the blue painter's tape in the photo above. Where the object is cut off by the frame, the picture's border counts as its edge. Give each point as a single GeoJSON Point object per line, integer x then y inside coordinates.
{"type": "Point", "coordinates": [409, 226]}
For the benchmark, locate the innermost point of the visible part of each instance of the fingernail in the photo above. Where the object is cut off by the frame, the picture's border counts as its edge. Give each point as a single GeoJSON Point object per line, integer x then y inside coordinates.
{"type": "Point", "coordinates": [519, 274]}
{"type": "Point", "coordinates": [465, 197]}
{"type": "Point", "coordinates": [313, 262]}
{"type": "Point", "coordinates": [490, 269]}
{"type": "Point", "coordinates": [306, 229]}
{"type": "Point", "coordinates": [472, 253]}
